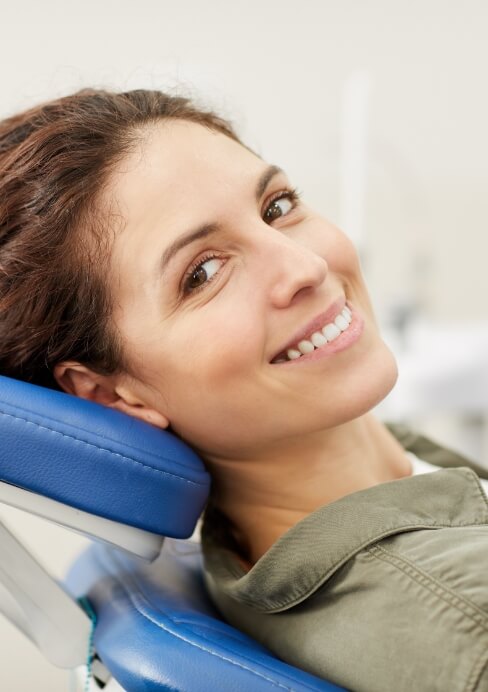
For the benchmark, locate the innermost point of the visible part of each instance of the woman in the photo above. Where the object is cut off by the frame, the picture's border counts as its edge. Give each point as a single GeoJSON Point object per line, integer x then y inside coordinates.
{"type": "Point", "coordinates": [152, 263]}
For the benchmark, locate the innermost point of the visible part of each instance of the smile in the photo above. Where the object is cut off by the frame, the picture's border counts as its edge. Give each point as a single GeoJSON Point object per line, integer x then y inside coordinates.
{"type": "Point", "coordinates": [342, 332]}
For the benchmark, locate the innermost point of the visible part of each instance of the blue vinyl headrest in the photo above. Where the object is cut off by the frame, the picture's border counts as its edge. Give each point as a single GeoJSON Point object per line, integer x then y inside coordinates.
{"type": "Point", "coordinates": [99, 460]}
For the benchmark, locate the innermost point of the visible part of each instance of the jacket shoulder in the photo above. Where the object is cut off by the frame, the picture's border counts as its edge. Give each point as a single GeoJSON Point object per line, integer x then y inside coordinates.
{"type": "Point", "coordinates": [431, 451]}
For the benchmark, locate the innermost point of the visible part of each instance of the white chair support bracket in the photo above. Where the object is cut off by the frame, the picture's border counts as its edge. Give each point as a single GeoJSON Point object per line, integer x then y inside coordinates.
{"type": "Point", "coordinates": [136, 541]}
{"type": "Point", "coordinates": [35, 603]}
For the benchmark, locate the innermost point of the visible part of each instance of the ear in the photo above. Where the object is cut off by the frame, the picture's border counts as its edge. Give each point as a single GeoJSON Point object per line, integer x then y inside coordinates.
{"type": "Point", "coordinates": [109, 390]}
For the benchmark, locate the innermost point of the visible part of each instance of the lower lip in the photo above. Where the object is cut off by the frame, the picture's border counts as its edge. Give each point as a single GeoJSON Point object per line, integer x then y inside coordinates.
{"type": "Point", "coordinates": [344, 341]}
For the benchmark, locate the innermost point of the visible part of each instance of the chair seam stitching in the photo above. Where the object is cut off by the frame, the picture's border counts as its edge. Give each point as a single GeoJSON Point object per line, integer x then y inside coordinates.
{"type": "Point", "coordinates": [141, 598]}
{"type": "Point", "coordinates": [101, 449]}
{"type": "Point", "coordinates": [21, 411]}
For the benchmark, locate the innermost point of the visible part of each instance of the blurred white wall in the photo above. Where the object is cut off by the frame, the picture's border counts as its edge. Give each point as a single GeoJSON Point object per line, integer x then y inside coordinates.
{"type": "Point", "coordinates": [279, 68]}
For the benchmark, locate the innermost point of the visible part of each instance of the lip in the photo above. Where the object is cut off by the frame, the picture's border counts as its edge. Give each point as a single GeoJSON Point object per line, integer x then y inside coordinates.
{"type": "Point", "coordinates": [314, 325]}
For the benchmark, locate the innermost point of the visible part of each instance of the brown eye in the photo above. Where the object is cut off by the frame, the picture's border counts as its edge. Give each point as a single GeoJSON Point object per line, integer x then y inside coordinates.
{"type": "Point", "coordinates": [280, 207]}
{"type": "Point", "coordinates": [198, 277]}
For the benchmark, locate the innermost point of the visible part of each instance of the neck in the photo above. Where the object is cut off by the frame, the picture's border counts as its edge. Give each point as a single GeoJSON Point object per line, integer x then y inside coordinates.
{"type": "Point", "coordinates": [265, 496]}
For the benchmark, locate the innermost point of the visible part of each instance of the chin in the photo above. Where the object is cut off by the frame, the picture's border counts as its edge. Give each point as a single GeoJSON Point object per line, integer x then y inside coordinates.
{"type": "Point", "coordinates": [369, 385]}
{"type": "Point", "coordinates": [380, 378]}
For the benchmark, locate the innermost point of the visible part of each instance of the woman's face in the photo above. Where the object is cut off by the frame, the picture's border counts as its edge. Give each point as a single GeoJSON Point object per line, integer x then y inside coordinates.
{"type": "Point", "coordinates": [201, 321]}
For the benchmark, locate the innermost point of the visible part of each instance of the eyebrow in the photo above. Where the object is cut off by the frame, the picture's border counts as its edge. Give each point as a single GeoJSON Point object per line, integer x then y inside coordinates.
{"type": "Point", "coordinates": [208, 229]}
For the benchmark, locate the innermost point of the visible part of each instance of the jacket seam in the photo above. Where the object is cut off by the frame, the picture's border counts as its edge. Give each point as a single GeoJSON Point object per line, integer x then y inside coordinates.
{"type": "Point", "coordinates": [429, 582]}
{"type": "Point", "coordinates": [102, 449]}
{"type": "Point", "coordinates": [295, 599]}
{"type": "Point", "coordinates": [476, 672]}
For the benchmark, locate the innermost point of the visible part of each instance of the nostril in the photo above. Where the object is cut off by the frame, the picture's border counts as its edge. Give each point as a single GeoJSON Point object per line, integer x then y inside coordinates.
{"type": "Point", "coordinates": [302, 294]}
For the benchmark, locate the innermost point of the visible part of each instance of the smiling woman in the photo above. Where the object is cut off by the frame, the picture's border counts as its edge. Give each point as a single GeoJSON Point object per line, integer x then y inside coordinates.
{"type": "Point", "coordinates": [261, 270]}
{"type": "Point", "coordinates": [153, 263]}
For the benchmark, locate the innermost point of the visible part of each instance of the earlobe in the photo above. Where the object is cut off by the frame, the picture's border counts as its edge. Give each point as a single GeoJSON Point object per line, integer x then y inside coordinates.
{"type": "Point", "coordinates": [75, 378]}
{"type": "Point", "coordinates": [142, 412]}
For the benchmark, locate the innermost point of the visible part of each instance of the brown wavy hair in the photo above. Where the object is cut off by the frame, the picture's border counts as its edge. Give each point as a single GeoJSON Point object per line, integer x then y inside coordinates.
{"type": "Point", "coordinates": [55, 162]}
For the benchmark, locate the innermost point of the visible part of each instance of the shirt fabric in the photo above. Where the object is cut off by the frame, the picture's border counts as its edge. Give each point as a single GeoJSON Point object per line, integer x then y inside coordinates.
{"type": "Point", "coordinates": [384, 589]}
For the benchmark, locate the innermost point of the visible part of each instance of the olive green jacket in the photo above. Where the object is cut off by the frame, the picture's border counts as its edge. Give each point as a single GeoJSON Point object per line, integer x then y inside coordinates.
{"type": "Point", "coordinates": [384, 590]}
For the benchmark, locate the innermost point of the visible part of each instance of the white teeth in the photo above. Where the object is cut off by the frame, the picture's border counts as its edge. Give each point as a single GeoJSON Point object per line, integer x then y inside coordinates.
{"type": "Point", "coordinates": [328, 333]}
{"type": "Point", "coordinates": [305, 346]}
{"type": "Point", "coordinates": [292, 354]}
{"type": "Point", "coordinates": [341, 322]}
{"type": "Point", "coordinates": [318, 339]}
{"type": "Point", "coordinates": [331, 332]}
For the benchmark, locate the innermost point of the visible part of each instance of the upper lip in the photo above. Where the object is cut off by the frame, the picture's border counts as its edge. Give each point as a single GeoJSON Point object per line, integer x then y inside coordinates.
{"type": "Point", "coordinates": [314, 325]}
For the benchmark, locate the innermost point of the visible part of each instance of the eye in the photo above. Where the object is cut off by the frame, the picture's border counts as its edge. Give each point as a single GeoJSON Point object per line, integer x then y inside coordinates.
{"type": "Point", "coordinates": [281, 204]}
{"type": "Point", "coordinates": [200, 274]}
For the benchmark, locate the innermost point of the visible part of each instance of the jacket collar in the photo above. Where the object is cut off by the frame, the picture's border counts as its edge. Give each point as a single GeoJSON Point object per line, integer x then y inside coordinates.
{"type": "Point", "coordinates": [309, 553]}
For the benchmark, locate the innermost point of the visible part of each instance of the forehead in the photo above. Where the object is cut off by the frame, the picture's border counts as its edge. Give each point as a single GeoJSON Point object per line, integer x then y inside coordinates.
{"type": "Point", "coordinates": [181, 176]}
{"type": "Point", "coordinates": [176, 159]}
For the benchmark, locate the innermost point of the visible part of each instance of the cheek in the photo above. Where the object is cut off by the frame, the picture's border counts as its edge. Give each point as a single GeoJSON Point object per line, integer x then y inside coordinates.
{"type": "Point", "coordinates": [342, 256]}
{"type": "Point", "coordinates": [212, 398]}
{"type": "Point", "coordinates": [343, 259]}
{"type": "Point", "coordinates": [220, 346]}
{"type": "Point", "coordinates": [333, 245]}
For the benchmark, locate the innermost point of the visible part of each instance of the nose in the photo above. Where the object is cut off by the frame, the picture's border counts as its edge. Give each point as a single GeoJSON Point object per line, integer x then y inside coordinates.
{"type": "Point", "coordinates": [293, 270]}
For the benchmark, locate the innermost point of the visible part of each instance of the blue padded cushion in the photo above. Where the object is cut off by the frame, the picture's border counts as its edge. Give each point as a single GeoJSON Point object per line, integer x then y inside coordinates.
{"type": "Point", "coordinates": [157, 630]}
{"type": "Point", "coordinates": [99, 460]}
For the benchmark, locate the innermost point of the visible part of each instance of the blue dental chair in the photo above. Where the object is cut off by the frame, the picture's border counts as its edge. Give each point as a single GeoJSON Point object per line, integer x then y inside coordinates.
{"type": "Point", "coordinates": [134, 603]}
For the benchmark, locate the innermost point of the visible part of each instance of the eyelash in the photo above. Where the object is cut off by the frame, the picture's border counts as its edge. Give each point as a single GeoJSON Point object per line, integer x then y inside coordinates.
{"type": "Point", "coordinates": [292, 194]}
